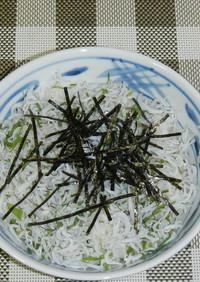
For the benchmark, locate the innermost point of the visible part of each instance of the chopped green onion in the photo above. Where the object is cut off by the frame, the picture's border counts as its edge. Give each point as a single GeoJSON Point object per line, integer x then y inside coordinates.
{"type": "Point", "coordinates": [90, 258]}
{"type": "Point", "coordinates": [129, 250]}
{"type": "Point", "coordinates": [17, 212]}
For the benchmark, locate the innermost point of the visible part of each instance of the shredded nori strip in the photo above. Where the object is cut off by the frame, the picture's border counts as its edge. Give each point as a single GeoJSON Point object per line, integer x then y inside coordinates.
{"type": "Point", "coordinates": [92, 207]}
{"type": "Point", "coordinates": [7, 181]}
{"type": "Point", "coordinates": [55, 133]}
{"type": "Point", "coordinates": [142, 112]}
{"type": "Point", "coordinates": [65, 183]}
{"type": "Point", "coordinates": [21, 165]}
{"type": "Point", "coordinates": [36, 143]}
{"type": "Point", "coordinates": [93, 221]}
{"type": "Point", "coordinates": [24, 197]}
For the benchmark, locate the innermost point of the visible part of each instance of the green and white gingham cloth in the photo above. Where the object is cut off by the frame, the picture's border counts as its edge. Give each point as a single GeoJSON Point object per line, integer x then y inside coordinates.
{"type": "Point", "coordinates": [167, 30]}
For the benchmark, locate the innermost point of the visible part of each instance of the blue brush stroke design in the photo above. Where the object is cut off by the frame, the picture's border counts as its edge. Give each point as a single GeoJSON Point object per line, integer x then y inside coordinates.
{"type": "Point", "coordinates": [9, 112]}
{"type": "Point", "coordinates": [147, 96]}
{"type": "Point", "coordinates": [134, 75]}
{"type": "Point", "coordinates": [191, 114]}
{"type": "Point", "coordinates": [33, 84]}
{"type": "Point", "coordinates": [169, 82]}
{"type": "Point", "coordinates": [196, 145]}
{"type": "Point", "coordinates": [138, 66]}
{"type": "Point", "coordinates": [75, 71]}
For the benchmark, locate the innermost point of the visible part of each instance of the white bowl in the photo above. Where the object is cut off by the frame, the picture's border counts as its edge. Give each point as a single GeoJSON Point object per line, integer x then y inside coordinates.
{"type": "Point", "coordinates": [141, 73]}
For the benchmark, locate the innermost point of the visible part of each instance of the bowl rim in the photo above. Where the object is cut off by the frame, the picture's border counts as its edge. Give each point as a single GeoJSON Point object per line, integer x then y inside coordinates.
{"type": "Point", "coordinates": [80, 275]}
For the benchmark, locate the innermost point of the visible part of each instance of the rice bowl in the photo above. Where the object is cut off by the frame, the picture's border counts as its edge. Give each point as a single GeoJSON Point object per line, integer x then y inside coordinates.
{"type": "Point", "coordinates": [107, 239]}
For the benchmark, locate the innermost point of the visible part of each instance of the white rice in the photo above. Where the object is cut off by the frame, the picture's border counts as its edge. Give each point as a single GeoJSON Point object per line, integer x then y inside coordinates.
{"type": "Point", "coordinates": [113, 243]}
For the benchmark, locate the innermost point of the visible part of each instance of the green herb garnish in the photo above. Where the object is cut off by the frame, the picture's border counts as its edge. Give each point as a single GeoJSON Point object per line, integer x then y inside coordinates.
{"type": "Point", "coordinates": [90, 258]}
{"type": "Point", "coordinates": [129, 250]}
{"type": "Point", "coordinates": [17, 212]}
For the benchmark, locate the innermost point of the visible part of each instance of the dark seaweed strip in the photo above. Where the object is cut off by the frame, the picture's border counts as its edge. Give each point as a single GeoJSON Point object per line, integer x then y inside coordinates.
{"type": "Point", "coordinates": [86, 190]}
{"type": "Point", "coordinates": [113, 173]}
{"type": "Point", "coordinates": [72, 100]}
{"type": "Point", "coordinates": [20, 166]}
{"type": "Point", "coordinates": [46, 117]}
{"type": "Point", "coordinates": [96, 180]}
{"type": "Point", "coordinates": [73, 121]}
{"type": "Point", "coordinates": [78, 141]}
{"type": "Point", "coordinates": [152, 130]}
{"type": "Point", "coordinates": [145, 132]}
{"type": "Point", "coordinates": [100, 111]}
{"type": "Point", "coordinates": [124, 131]}
{"type": "Point", "coordinates": [71, 118]}
{"type": "Point", "coordinates": [99, 173]}
{"type": "Point", "coordinates": [54, 161]}
{"type": "Point", "coordinates": [107, 213]}
{"type": "Point", "coordinates": [93, 207]}
{"type": "Point", "coordinates": [155, 165]}
{"type": "Point", "coordinates": [158, 197]}
{"type": "Point", "coordinates": [132, 173]}
{"type": "Point", "coordinates": [55, 133]}
{"type": "Point", "coordinates": [94, 127]}
{"type": "Point", "coordinates": [136, 127]}
{"type": "Point", "coordinates": [93, 221]}
{"type": "Point", "coordinates": [65, 183]}
{"type": "Point", "coordinates": [19, 149]}
{"type": "Point", "coordinates": [162, 135]}
{"type": "Point", "coordinates": [99, 134]}
{"type": "Point", "coordinates": [132, 146]}
{"type": "Point", "coordinates": [155, 145]}
{"type": "Point", "coordinates": [58, 107]}
{"type": "Point", "coordinates": [172, 180]}
{"type": "Point", "coordinates": [69, 109]}
{"type": "Point", "coordinates": [146, 145]}
{"type": "Point", "coordinates": [163, 176]}
{"type": "Point", "coordinates": [92, 110]}
{"type": "Point", "coordinates": [110, 136]}
{"type": "Point", "coordinates": [99, 146]}
{"type": "Point", "coordinates": [61, 138]}
{"type": "Point", "coordinates": [24, 197]}
{"type": "Point", "coordinates": [112, 183]}
{"type": "Point", "coordinates": [103, 199]}
{"type": "Point", "coordinates": [147, 153]}
{"type": "Point", "coordinates": [35, 135]}
{"type": "Point", "coordinates": [80, 179]}
{"type": "Point", "coordinates": [57, 164]}
{"type": "Point", "coordinates": [93, 193]}
{"type": "Point", "coordinates": [166, 135]}
{"type": "Point", "coordinates": [7, 180]}
{"type": "Point", "coordinates": [81, 105]}
{"type": "Point", "coordinates": [173, 209]}
{"type": "Point", "coordinates": [141, 111]}
{"type": "Point", "coordinates": [161, 121]}
{"type": "Point", "coordinates": [83, 182]}
{"type": "Point", "coordinates": [71, 175]}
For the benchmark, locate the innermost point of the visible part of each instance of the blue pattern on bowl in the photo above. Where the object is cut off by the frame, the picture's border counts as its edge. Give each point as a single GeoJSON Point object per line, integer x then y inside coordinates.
{"type": "Point", "coordinates": [75, 71]}
{"type": "Point", "coordinates": [22, 90]}
{"type": "Point", "coordinates": [191, 114]}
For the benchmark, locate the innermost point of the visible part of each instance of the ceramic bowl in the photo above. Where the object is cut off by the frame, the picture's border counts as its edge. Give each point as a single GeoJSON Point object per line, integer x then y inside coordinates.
{"type": "Point", "coordinates": [140, 73]}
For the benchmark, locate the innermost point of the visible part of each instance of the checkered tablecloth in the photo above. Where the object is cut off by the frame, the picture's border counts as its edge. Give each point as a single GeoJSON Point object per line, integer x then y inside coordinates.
{"type": "Point", "coordinates": [167, 30]}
